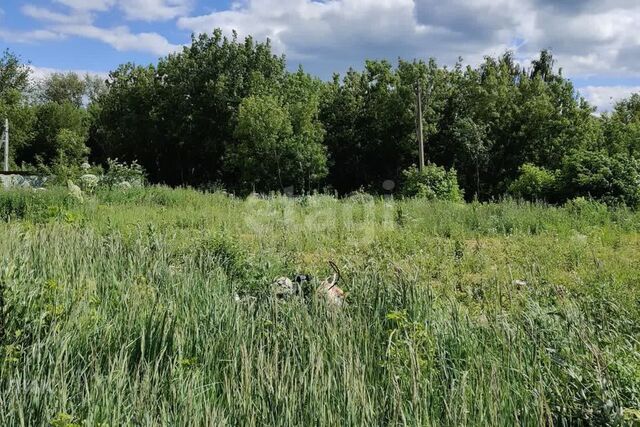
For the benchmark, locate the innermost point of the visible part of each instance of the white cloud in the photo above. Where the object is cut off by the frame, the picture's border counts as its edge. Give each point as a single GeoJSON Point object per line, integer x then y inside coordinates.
{"type": "Point", "coordinates": [88, 5]}
{"type": "Point", "coordinates": [29, 36]}
{"type": "Point", "coordinates": [43, 14]}
{"type": "Point", "coordinates": [605, 97]}
{"type": "Point", "coordinates": [155, 10]}
{"type": "Point", "coordinates": [40, 73]}
{"type": "Point", "coordinates": [79, 22]}
{"type": "Point", "coordinates": [591, 40]}
{"type": "Point", "coordinates": [334, 33]}
{"type": "Point", "coordinates": [587, 36]}
{"type": "Point", "coordinates": [143, 10]}
{"type": "Point", "coordinates": [122, 39]}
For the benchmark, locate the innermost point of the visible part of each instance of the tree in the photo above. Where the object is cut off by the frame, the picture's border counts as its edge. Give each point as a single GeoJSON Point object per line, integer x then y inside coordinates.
{"type": "Point", "coordinates": [611, 179]}
{"type": "Point", "coordinates": [473, 139]}
{"type": "Point", "coordinates": [14, 77]}
{"type": "Point", "coordinates": [621, 129]}
{"type": "Point", "coordinates": [543, 67]}
{"type": "Point", "coordinates": [534, 184]}
{"type": "Point", "coordinates": [14, 81]}
{"type": "Point", "coordinates": [199, 92]}
{"type": "Point", "coordinates": [268, 154]}
{"type": "Point", "coordinates": [526, 119]}
{"type": "Point", "coordinates": [124, 123]}
{"type": "Point", "coordinates": [63, 87]}
{"type": "Point", "coordinates": [179, 118]}
{"type": "Point", "coordinates": [70, 147]}
{"type": "Point", "coordinates": [301, 98]}
{"type": "Point", "coordinates": [182, 120]}
{"type": "Point", "coordinates": [59, 133]}
{"type": "Point", "coordinates": [370, 122]}
{"type": "Point", "coordinates": [95, 87]}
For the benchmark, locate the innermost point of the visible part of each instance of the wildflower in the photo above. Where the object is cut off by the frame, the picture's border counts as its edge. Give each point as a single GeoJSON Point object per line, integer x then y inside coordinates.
{"type": "Point", "coordinates": [89, 182]}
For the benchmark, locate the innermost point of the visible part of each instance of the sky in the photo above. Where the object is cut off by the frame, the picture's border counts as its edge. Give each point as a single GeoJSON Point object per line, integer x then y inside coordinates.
{"type": "Point", "coordinates": [596, 42]}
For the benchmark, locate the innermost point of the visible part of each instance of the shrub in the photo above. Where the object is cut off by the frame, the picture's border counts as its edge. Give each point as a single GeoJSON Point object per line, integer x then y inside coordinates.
{"type": "Point", "coordinates": [433, 182]}
{"type": "Point", "coordinates": [534, 183]}
{"type": "Point", "coordinates": [613, 180]}
{"type": "Point", "coordinates": [120, 172]}
{"type": "Point", "coordinates": [71, 147]}
{"type": "Point", "coordinates": [61, 171]}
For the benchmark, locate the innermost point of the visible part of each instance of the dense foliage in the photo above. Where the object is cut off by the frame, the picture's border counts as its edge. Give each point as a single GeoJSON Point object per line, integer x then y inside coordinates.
{"type": "Point", "coordinates": [432, 183]}
{"type": "Point", "coordinates": [534, 183]}
{"type": "Point", "coordinates": [225, 112]}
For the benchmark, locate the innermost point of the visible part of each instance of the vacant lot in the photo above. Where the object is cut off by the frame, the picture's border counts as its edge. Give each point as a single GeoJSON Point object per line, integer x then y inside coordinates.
{"type": "Point", "coordinates": [120, 310]}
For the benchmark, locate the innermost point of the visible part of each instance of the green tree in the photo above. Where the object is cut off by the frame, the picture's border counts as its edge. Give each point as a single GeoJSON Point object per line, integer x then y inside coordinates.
{"type": "Point", "coordinates": [621, 128]}
{"type": "Point", "coordinates": [527, 116]}
{"type": "Point", "coordinates": [14, 77]}
{"type": "Point", "coordinates": [179, 118]}
{"type": "Point", "coordinates": [534, 184]}
{"type": "Point", "coordinates": [199, 94]}
{"type": "Point", "coordinates": [370, 122]}
{"type": "Point", "coordinates": [125, 123]}
{"type": "Point", "coordinates": [14, 83]}
{"type": "Point", "coordinates": [95, 87]}
{"type": "Point", "coordinates": [611, 179]}
{"type": "Point", "coordinates": [59, 134]}
{"type": "Point", "coordinates": [70, 147]}
{"type": "Point", "coordinates": [268, 154]}
{"type": "Point", "coordinates": [62, 88]}
{"type": "Point", "coordinates": [473, 139]}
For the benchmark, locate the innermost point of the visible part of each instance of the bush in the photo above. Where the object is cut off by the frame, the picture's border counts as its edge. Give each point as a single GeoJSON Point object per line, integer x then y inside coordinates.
{"type": "Point", "coordinates": [434, 182]}
{"type": "Point", "coordinates": [61, 171]}
{"type": "Point", "coordinates": [614, 180]}
{"type": "Point", "coordinates": [533, 184]}
{"type": "Point", "coordinates": [119, 173]}
{"type": "Point", "coordinates": [70, 147]}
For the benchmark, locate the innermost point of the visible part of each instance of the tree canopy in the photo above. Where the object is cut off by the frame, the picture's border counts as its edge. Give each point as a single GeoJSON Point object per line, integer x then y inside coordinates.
{"type": "Point", "coordinates": [226, 112]}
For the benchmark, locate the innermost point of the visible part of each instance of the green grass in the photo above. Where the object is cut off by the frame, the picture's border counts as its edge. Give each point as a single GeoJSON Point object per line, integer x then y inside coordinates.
{"type": "Point", "coordinates": [119, 311]}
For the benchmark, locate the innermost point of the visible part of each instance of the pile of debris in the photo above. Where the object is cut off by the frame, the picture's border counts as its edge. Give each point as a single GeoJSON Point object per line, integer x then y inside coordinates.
{"type": "Point", "coordinates": [304, 286]}
{"type": "Point", "coordinates": [16, 180]}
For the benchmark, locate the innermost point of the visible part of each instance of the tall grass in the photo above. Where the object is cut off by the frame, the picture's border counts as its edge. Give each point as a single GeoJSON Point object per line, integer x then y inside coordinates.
{"type": "Point", "coordinates": [119, 311]}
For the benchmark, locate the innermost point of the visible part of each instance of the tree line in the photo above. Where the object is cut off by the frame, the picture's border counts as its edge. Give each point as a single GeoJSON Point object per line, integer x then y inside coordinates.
{"type": "Point", "coordinates": [225, 112]}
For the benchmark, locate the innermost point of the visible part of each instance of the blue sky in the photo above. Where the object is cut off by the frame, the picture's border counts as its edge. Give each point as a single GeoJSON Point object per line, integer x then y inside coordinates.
{"type": "Point", "coordinates": [595, 41]}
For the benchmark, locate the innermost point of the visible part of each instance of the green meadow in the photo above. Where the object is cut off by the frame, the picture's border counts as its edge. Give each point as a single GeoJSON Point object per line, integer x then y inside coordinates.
{"type": "Point", "coordinates": [119, 310]}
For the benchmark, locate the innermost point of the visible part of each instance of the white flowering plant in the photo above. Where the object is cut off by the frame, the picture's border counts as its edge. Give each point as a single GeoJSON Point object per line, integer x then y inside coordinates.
{"type": "Point", "coordinates": [118, 173]}
{"type": "Point", "coordinates": [89, 182]}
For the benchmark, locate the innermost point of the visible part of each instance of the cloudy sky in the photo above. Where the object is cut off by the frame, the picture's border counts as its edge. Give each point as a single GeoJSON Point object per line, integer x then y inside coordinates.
{"type": "Point", "coordinates": [597, 42]}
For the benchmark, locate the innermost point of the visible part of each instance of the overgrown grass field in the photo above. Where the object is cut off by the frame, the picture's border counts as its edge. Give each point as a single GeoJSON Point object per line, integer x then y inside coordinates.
{"type": "Point", "coordinates": [120, 311]}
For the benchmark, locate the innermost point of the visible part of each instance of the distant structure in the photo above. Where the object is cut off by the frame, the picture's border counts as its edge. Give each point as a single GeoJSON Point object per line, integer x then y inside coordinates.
{"type": "Point", "coordinates": [16, 179]}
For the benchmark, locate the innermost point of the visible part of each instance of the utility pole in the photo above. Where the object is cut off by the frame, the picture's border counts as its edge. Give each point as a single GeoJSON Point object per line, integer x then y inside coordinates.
{"type": "Point", "coordinates": [6, 145]}
{"type": "Point", "coordinates": [419, 130]}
